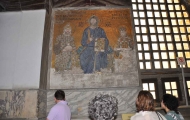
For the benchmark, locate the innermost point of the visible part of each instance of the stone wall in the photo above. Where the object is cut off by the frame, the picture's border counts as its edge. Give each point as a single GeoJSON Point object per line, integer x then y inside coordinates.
{"type": "Point", "coordinates": [78, 100]}
{"type": "Point", "coordinates": [18, 104]}
{"type": "Point", "coordinates": [42, 104]}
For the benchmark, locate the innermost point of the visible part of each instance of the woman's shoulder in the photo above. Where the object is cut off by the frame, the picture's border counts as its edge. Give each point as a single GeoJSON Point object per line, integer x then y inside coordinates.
{"type": "Point", "coordinates": [171, 115]}
{"type": "Point", "coordinates": [137, 116]}
{"type": "Point", "coordinates": [142, 115]}
{"type": "Point", "coordinates": [148, 115]}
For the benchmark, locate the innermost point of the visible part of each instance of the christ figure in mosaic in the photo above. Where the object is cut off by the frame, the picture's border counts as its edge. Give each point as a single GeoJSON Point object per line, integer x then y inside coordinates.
{"type": "Point", "coordinates": [94, 41]}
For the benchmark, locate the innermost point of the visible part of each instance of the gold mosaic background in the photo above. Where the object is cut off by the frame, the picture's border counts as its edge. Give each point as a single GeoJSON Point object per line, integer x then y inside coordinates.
{"type": "Point", "coordinates": [110, 20]}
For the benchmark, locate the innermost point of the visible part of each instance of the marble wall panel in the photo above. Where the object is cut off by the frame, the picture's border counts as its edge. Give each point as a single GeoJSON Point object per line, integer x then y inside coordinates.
{"type": "Point", "coordinates": [78, 100]}
{"type": "Point", "coordinates": [73, 81]}
{"type": "Point", "coordinates": [18, 104]}
{"type": "Point", "coordinates": [42, 106]}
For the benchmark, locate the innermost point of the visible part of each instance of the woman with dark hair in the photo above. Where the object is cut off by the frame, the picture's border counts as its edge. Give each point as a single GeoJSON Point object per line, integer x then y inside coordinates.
{"type": "Point", "coordinates": [170, 104]}
{"type": "Point", "coordinates": [145, 108]}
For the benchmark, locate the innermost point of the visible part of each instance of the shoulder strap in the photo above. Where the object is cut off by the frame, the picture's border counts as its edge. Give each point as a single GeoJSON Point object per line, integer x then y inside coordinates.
{"type": "Point", "coordinates": [159, 116]}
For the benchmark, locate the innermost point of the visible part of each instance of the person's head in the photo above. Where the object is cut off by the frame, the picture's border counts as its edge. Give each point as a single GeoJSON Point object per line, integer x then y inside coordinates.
{"type": "Point", "coordinates": [93, 21]}
{"type": "Point", "coordinates": [122, 31]}
{"type": "Point", "coordinates": [59, 95]}
{"type": "Point", "coordinates": [145, 101]}
{"type": "Point", "coordinates": [67, 30]}
{"type": "Point", "coordinates": [170, 102]}
{"type": "Point", "coordinates": [103, 107]}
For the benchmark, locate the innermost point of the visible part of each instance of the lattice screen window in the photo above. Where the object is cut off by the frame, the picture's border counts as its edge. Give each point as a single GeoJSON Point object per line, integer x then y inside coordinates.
{"type": "Point", "coordinates": [171, 86]}
{"type": "Point", "coordinates": [188, 87]}
{"type": "Point", "coordinates": [162, 32]}
{"type": "Point", "coordinates": [150, 85]}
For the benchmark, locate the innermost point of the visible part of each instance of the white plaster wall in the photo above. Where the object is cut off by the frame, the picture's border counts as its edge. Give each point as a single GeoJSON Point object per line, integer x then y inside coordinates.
{"type": "Point", "coordinates": [21, 36]}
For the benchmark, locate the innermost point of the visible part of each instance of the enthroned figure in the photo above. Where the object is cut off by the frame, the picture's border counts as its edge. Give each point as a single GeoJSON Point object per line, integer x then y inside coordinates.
{"type": "Point", "coordinates": [95, 45]}
{"type": "Point", "coordinates": [65, 51]}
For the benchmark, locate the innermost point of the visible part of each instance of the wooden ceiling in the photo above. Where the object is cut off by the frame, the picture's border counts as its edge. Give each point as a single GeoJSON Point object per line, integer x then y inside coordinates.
{"type": "Point", "coordinates": [19, 5]}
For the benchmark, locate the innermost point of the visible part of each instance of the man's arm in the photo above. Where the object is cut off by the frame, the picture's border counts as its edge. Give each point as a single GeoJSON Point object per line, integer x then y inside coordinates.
{"type": "Point", "coordinates": [52, 114]}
